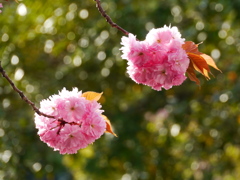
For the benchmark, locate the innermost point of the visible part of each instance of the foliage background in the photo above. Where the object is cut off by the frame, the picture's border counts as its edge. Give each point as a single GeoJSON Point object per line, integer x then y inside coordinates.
{"type": "Point", "coordinates": [186, 132]}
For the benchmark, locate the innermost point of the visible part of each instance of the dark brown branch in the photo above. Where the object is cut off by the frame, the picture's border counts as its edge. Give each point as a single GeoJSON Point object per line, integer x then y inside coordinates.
{"type": "Point", "coordinates": [108, 19]}
{"type": "Point", "coordinates": [22, 95]}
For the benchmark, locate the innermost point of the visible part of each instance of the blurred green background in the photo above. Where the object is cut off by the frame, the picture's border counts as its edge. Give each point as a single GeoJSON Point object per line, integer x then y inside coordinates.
{"type": "Point", "coordinates": [186, 132]}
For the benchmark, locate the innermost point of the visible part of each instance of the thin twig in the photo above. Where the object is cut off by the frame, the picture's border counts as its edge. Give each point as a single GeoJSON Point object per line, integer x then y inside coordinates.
{"type": "Point", "coordinates": [108, 19]}
{"type": "Point", "coordinates": [22, 95]}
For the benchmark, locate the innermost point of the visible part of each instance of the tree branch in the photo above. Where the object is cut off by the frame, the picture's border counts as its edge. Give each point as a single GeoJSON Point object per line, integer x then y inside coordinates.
{"type": "Point", "coordinates": [108, 19]}
{"type": "Point", "coordinates": [22, 95]}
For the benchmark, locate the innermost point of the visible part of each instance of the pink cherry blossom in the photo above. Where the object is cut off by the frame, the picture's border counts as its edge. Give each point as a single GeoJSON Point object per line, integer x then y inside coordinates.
{"type": "Point", "coordinates": [94, 126]}
{"type": "Point", "coordinates": [159, 61]}
{"type": "Point", "coordinates": [159, 36]}
{"type": "Point", "coordinates": [129, 43]}
{"type": "Point", "coordinates": [72, 139]}
{"type": "Point", "coordinates": [78, 121]}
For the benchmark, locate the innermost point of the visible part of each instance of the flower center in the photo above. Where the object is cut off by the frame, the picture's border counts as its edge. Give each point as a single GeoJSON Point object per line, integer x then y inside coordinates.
{"type": "Point", "coordinates": [163, 72]}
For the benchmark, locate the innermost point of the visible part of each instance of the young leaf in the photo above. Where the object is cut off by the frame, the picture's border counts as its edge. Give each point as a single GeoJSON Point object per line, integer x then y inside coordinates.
{"type": "Point", "coordinates": [92, 96]}
{"type": "Point", "coordinates": [191, 47]}
{"type": "Point", "coordinates": [199, 64]}
{"type": "Point", "coordinates": [210, 61]}
{"type": "Point", "coordinates": [109, 126]}
{"type": "Point", "coordinates": [198, 61]}
{"type": "Point", "coordinates": [191, 74]}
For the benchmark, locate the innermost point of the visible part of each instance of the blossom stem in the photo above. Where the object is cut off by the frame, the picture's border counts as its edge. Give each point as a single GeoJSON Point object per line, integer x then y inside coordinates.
{"type": "Point", "coordinates": [108, 19]}
{"type": "Point", "coordinates": [61, 124]}
{"type": "Point", "coordinates": [21, 94]}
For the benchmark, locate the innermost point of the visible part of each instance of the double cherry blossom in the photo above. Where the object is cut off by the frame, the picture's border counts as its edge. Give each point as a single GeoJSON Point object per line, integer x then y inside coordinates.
{"type": "Point", "coordinates": [78, 121]}
{"type": "Point", "coordinates": [159, 61]}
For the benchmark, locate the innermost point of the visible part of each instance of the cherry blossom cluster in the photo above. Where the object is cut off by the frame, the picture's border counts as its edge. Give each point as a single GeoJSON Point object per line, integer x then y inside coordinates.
{"type": "Point", "coordinates": [78, 121]}
{"type": "Point", "coordinates": [159, 61]}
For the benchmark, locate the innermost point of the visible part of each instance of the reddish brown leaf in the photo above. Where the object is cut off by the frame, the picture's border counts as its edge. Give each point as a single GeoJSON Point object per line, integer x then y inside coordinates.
{"type": "Point", "coordinates": [92, 96]}
{"type": "Point", "coordinates": [191, 74]}
{"type": "Point", "coordinates": [210, 61]}
{"type": "Point", "coordinates": [191, 47]}
{"type": "Point", "coordinates": [109, 126]}
{"type": "Point", "coordinates": [198, 62]}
